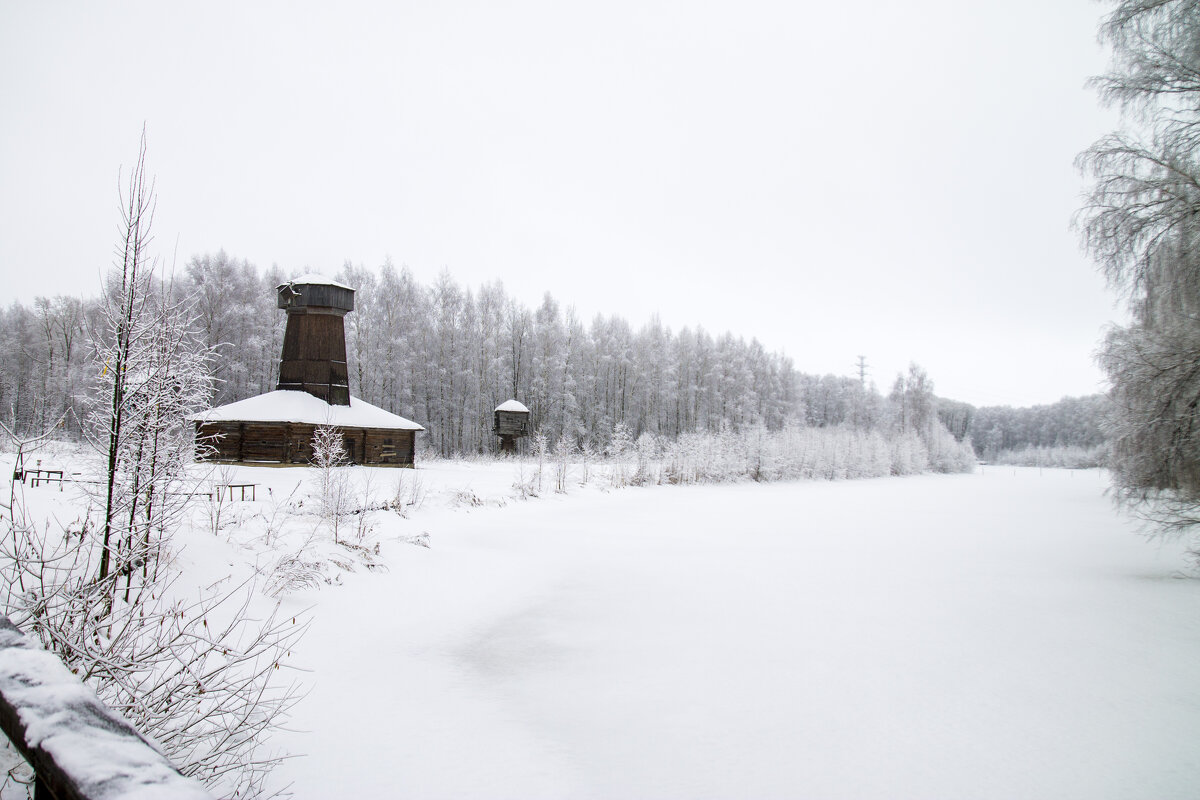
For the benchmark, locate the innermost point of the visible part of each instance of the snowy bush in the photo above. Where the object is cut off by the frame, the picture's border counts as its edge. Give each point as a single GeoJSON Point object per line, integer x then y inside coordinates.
{"type": "Point", "coordinates": [194, 670]}
{"type": "Point", "coordinates": [541, 449]}
{"type": "Point", "coordinates": [909, 456]}
{"type": "Point", "coordinates": [408, 493]}
{"type": "Point", "coordinates": [800, 453]}
{"type": "Point", "coordinates": [949, 455]}
{"type": "Point", "coordinates": [564, 448]}
{"type": "Point", "coordinates": [526, 486]}
{"type": "Point", "coordinates": [647, 469]}
{"type": "Point", "coordinates": [330, 457]}
{"type": "Point", "coordinates": [1072, 457]}
{"type": "Point", "coordinates": [619, 448]}
{"type": "Point", "coordinates": [466, 497]}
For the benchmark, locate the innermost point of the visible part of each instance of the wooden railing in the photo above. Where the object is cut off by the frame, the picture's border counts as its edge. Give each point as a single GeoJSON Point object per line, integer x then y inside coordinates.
{"type": "Point", "coordinates": [226, 489]}
{"type": "Point", "coordinates": [79, 748]}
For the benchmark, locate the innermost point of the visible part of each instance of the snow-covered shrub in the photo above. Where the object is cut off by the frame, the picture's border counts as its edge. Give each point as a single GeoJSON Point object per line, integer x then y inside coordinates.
{"type": "Point", "coordinates": [1071, 457]}
{"type": "Point", "coordinates": [466, 497]}
{"type": "Point", "coordinates": [647, 469]}
{"type": "Point", "coordinates": [408, 493]}
{"type": "Point", "coordinates": [619, 448]}
{"type": "Point", "coordinates": [330, 457]}
{"type": "Point", "coordinates": [946, 454]}
{"type": "Point", "coordinates": [564, 448]}
{"type": "Point", "coordinates": [526, 486]}
{"type": "Point", "coordinates": [795, 453]}
{"type": "Point", "coordinates": [587, 455]}
{"type": "Point", "coordinates": [293, 572]}
{"type": "Point", "coordinates": [195, 671]}
{"type": "Point", "coordinates": [218, 497]}
{"type": "Point", "coordinates": [273, 523]}
{"type": "Point", "coordinates": [541, 449]}
{"type": "Point", "coordinates": [909, 456]}
{"type": "Point", "coordinates": [760, 454]}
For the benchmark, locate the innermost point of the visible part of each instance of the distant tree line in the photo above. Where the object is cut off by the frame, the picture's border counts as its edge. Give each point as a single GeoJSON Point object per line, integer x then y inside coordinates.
{"type": "Point", "coordinates": [446, 356]}
{"type": "Point", "coordinates": [1073, 422]}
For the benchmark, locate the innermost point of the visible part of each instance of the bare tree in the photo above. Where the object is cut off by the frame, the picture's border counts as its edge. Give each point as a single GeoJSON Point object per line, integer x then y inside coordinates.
{"type": "Point", "coordinates": [1142, 225]}
{"type": "Point", "coordinates": [329, 457]}
{"type": "Point", "coordinates": [126, 322]}
{"type": "Point", "coordinates": [193, 670]}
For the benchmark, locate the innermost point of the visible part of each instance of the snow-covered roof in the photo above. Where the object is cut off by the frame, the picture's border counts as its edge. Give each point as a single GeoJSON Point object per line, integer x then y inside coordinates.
{"type": "Point", "coordinates": [286, 405]}
{"type": "Point", "coordinates": [512, 405]}
{"type": "Point", "coordinates": [315, 279]}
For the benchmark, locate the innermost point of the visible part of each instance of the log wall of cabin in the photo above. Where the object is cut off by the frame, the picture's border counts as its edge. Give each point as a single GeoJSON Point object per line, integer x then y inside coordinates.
{"type": "Point", "coordinates": [291, 443]}
{"type": "Point", "coordinates": [511, 423]}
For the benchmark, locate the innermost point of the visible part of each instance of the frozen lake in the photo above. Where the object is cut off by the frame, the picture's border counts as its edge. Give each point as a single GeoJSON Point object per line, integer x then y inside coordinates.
{"type": "Point", "coordinates": [996, 635]}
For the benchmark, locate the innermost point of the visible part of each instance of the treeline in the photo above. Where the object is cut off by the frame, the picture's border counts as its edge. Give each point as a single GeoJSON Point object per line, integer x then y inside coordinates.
{"type": "Point", "coordinates": [1073, 423]}
{"type": "Point", "coordinates": [445, 356]}
{"type": "Point", "coordinates": [1064, 456]}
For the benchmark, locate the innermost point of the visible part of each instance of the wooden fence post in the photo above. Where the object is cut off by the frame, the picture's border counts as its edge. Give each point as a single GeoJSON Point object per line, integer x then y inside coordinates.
{"type": "Point", "coordinates": [79, 748]}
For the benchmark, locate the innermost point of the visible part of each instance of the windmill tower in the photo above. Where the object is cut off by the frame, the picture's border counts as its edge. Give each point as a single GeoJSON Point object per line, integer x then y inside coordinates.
{"type": "Point", "coordinates": [313, 391]}
{"type": "Point", "coordinates": [314, 342]}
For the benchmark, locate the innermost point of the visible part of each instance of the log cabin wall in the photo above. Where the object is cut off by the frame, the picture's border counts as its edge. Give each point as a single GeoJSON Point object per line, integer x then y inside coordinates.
{"type": "Point", "coordinates": [511, 423]}
{"type": "Point", "coordinates": [291, 443]}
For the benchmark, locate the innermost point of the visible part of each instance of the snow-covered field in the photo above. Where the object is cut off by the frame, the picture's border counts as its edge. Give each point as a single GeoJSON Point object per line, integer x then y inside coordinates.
{"type": "Point", "coordinates": [997, 635]}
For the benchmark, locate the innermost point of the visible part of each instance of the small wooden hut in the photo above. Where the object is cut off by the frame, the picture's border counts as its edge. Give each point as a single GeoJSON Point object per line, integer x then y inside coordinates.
{"type": "Point", "coordinates": [313, 391]}
{"type": "Point", "coordinates": [510, 422]}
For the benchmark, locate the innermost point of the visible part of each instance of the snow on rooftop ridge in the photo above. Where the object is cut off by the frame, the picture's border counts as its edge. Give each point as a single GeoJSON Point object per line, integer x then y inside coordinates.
{"type": "Point", "coordinates": [315, 279]}
{"type": "Point", "coordinates": [289, 405]}
{"type": "Point", "coordinates": [512, 405]}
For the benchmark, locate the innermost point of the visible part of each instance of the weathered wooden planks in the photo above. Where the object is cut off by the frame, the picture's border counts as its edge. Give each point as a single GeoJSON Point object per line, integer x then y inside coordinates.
{"type": "Point", "coordinates": [510, 423]}
{"type": "Point", "coordinates": [291, 443]}
{"type": "Point", "coordinates": [314, 342]}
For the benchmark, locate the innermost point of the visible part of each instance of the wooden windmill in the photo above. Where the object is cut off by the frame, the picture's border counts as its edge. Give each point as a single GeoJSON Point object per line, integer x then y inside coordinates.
{"type": "Point", "coordinates": [314, 342]}
{"type": "Point", "coordinates": [313, 391]}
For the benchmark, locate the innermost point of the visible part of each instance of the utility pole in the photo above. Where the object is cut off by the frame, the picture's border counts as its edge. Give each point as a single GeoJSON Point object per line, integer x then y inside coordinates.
{"type": "Point", "coordinates": [860, 402]}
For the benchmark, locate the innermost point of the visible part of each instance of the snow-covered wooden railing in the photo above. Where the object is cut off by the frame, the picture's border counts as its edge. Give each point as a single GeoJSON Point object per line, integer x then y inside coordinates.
{"type": "Point", "coordinates": [79, 748]}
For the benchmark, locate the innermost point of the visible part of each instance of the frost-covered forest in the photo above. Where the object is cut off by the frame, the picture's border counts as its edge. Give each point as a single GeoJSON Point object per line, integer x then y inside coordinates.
{"type": "Point", "coordinates": [446, 355]}
{"type": "Point", "coordinates": [1069, 433]}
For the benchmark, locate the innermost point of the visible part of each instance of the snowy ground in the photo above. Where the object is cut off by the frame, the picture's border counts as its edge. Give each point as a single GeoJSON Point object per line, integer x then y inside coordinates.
{"type": "Point", "coordinates": [995, 635]}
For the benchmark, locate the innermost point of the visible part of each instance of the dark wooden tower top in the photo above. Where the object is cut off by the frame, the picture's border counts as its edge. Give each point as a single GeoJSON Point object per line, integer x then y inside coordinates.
{"type": "Point", "coordinates": [314, 342]}
{"type": "Point", "coordinates": [317, 293]}
{"type": "Point", "coordinates": [511, 418]}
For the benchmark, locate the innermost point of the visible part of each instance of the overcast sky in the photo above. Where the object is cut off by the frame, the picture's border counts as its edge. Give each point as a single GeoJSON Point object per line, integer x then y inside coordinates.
{"type": "Point", "coordinates": [879, 178]}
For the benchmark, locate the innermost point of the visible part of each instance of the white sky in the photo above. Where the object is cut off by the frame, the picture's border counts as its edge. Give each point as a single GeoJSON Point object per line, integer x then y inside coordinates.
{"type": "Point", "coordinates": [890, 179]}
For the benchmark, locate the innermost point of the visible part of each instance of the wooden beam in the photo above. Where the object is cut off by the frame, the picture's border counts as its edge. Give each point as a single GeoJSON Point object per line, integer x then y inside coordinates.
{"type": "Point", "coordinates": [79, 748]}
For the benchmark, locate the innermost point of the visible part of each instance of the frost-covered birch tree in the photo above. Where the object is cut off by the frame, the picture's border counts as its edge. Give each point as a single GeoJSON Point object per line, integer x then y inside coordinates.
{"type": "Point", "coordinates": [193, 670]}
{"type": "Point", "coordinates": [1142, 226]}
